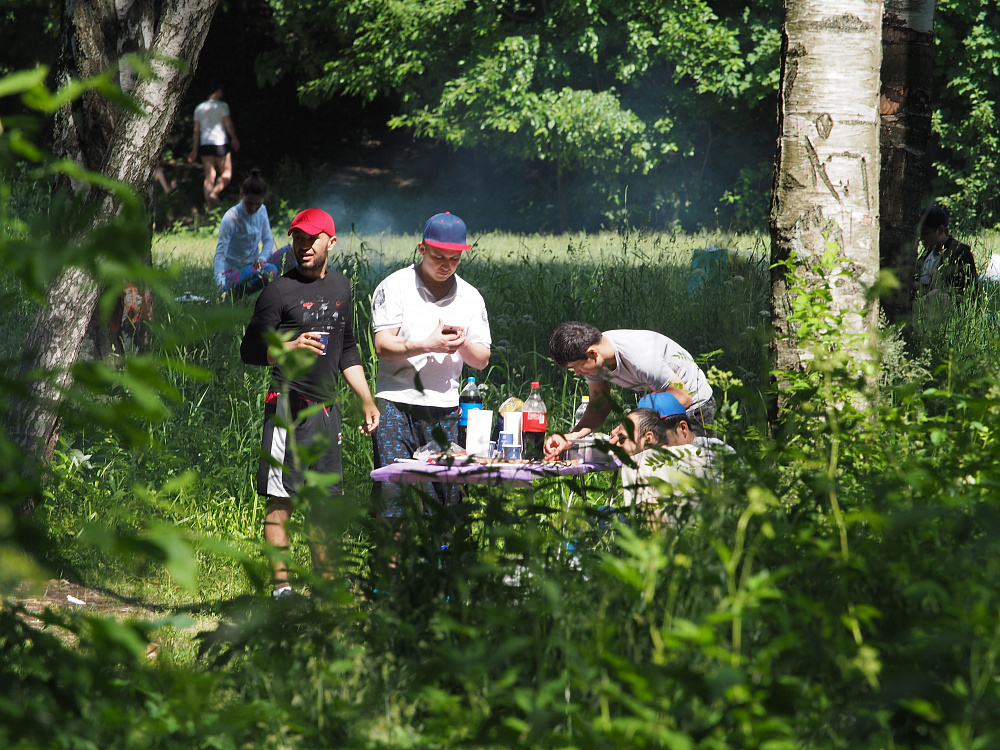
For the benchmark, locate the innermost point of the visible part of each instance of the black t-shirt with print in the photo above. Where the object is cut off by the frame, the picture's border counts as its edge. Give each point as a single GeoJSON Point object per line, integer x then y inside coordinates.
{"type": "Point", "coordinates": [296, 304]}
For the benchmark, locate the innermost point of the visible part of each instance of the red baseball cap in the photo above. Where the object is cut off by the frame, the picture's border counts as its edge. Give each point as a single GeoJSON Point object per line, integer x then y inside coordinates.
{"type": "Point", "coordinates": [314, 221]}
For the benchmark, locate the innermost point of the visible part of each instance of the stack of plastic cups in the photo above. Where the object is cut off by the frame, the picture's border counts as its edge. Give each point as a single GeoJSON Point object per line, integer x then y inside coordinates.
{"type": "Point", "coordinates": [510, 436]}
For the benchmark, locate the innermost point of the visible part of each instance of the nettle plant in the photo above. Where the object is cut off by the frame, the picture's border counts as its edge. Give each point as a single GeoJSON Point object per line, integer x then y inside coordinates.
{"type": "Point", "coordinates": [884, 512]}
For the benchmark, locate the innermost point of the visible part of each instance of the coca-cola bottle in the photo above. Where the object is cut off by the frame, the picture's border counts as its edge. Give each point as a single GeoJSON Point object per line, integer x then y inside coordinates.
{"type": "Point", "coordinates": [533, 423]}
{"type": "Point", "coordinates": [468, 400]}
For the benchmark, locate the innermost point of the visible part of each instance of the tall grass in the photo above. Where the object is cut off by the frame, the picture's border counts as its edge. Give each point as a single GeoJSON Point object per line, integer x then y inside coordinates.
{"type": "Point", "coordinates": [206, 451]}
{"type": "Point", "coordinates": [838, 589]}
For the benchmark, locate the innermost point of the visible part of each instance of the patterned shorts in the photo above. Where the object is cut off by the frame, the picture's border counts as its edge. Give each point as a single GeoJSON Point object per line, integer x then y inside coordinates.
{"type": "Point", "coordinates": [402, 429]}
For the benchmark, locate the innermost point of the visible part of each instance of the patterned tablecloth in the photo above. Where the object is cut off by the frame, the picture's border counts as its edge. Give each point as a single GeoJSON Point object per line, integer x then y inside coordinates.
{"type": "Point", "coordinates": [493, 474]}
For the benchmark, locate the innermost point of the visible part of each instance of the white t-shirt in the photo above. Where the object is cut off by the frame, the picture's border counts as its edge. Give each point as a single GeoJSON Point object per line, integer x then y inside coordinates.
{"type": "Point", "coordinates": [209, 115]}
{"type": "Point", "coordinates": [664, 472]}
{"type": "Point", "coordinates": [931, 263]}
{"type": "Point", "coordinates": [647, 362]}
{"type": "Point", "coordinates": [403, 301]}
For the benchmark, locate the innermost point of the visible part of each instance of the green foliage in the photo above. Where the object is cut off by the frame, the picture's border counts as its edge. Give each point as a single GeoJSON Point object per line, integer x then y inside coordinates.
{"type": "Point", "coordinates": [837, 588]}
{"type": "Point", "coordinates": [28, 33]}
{"type": "Point", "coordinates": [589, 94]}
{"type": "Point", "coordinates": [967, 91]}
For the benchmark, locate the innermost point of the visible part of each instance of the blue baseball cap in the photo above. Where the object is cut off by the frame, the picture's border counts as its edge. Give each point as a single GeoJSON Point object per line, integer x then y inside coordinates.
{"type": "Point", "coordinates": [445, 232]}
{"type": "Point", "coordinates": [664, 404]}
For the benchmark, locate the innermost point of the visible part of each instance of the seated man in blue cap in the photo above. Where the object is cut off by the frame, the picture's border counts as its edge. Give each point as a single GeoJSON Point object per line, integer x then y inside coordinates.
{"type": "Point", "coordinates": [667, 460]}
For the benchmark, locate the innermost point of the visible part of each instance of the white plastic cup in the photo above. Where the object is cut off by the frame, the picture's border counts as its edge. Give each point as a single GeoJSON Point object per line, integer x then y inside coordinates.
{"type": "Point", "coordinates": [512, 424]}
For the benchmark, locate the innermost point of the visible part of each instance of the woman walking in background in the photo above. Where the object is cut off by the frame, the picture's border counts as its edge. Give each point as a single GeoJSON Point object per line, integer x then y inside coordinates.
{"type": "Point", "coordinates": [214, 141]}
{"type": "Point", "coordinates": [245, 258]}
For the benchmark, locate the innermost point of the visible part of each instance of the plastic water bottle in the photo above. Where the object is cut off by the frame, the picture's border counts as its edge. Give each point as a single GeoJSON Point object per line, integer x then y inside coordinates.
{"type": "Point", "coordinates": [533, 422]}
{"type": "Point", "coordinates": [584, 402]}
{"type": "Point", "coordinates": [468, 399]}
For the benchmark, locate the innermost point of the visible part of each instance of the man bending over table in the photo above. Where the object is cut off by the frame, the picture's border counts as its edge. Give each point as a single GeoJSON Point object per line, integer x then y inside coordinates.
{"type": "Point", "coordinates": [643, 361]}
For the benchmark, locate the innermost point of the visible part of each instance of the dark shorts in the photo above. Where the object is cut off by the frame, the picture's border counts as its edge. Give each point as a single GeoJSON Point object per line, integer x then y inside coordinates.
{"type": "Point", "coordinates": [207, 149]}
{"type": "Point", "coordinates": [402, 429]}
{"type": "Point", "coordinates": [280, 474]}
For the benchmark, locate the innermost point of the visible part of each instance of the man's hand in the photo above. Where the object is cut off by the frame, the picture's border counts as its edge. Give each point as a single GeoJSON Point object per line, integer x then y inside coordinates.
{"type": "Point", "coordinates": [309, 340]}
{"type": "Point", "coordinates": [554, 445]}
{"type": "Point", "coordinates": [372, 417]}
{"type": "Point", "coordinates": [441, 342]}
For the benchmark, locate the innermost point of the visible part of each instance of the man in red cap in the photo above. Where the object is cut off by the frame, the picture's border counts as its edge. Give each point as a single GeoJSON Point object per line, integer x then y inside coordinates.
{"type": "Point", "coordinates": [310, 308]}
{"type": "Point", "coordinates": [427, 322]}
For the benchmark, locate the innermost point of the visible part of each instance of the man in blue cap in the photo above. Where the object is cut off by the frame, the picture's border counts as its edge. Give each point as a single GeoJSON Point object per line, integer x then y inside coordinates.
{"type": "Point", "coordinates": [666, 463]}
{"type": "Point", "coordinates": [427, 322]}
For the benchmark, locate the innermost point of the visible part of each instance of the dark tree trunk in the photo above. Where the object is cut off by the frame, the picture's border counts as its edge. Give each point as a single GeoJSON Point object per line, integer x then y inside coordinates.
{"type": "Point", "coordinates": [118, 144]}
{"type": "Point", "coordinates": [905, 133]}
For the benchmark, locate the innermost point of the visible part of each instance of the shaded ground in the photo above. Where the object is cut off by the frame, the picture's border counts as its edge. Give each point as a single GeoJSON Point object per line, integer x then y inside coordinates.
{"type": "Point", "coordinates": [375, 180]}
{"type": "Point", "coordinates": [64, 595]}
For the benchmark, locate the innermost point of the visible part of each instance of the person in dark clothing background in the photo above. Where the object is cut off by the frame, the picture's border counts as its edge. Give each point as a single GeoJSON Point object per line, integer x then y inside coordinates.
{"type": "Point", "coordinates": [945, 265]}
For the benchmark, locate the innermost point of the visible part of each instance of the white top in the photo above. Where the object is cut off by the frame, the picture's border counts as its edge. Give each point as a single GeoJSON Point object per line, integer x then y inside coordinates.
{"type": "Point", "coordinates": [992, 272]}
{"type": "Point", "coordinates": [931, 263]}
{"type": "Point", "coordinates": [403, 301]}
{"type": "Point", "coordinates": [209, 115]}
{"type": "Point", "coordinates": [243, 238]}
{"type": "Point", "coordinates": [647, 362]}
{"type": "Point", "coordinates": [664, 472]}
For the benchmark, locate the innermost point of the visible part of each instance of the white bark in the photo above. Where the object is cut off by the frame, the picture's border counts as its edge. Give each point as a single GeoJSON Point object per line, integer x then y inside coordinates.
{"type": "Point", "coordinates": [129, 155]}
{"type": "Point", "coordinates": [827, 169]}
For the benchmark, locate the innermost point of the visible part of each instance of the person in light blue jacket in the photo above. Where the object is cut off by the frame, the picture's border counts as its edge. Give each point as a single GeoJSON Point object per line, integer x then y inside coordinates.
{"type": "Point", "coordinates": [245, 257]}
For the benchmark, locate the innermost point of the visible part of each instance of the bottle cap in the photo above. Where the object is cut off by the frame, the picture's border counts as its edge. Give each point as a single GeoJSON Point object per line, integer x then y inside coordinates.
{"type": "Point", "coordinates": [472, 380]}
{"type": "Point", "coordinates": [534, 384]}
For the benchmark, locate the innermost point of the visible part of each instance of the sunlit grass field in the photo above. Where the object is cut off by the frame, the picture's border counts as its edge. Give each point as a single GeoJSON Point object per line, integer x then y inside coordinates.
{"type": "Point", "coordinates": [202, 471]}
{"type": "Point", "coordinates": [532, 283]}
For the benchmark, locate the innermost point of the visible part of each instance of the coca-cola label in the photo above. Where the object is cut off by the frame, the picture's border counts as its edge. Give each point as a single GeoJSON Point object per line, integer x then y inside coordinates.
{"type": "Point", "coordinates": [533, 421]}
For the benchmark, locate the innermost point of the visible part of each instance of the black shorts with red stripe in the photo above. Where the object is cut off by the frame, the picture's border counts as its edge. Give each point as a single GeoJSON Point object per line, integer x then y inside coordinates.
{"type": "Point", "coordinates": [316, 429]}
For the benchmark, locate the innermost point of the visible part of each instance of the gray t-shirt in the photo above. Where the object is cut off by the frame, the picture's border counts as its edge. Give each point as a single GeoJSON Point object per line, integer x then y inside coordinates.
{"type": "Point", "coordinates": [648, 362]}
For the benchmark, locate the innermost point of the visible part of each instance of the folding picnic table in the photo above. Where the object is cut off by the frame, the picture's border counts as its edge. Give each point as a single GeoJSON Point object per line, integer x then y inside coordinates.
{"type": "Point", "coordinates": [509, 475]}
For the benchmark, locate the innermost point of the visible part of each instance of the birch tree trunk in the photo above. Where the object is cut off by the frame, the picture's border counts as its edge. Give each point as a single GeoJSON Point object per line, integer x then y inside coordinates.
{"type": "Point", "coordinates": [826, 185]}
{"type": "Point", "coordinates": [118, 144]}
{"type": "Point", "coordinates": [907, 67]}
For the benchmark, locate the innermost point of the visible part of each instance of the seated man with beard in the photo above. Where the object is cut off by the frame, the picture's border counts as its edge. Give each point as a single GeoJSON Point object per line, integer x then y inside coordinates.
{"type": "Point", "coordinates": [668, 461]}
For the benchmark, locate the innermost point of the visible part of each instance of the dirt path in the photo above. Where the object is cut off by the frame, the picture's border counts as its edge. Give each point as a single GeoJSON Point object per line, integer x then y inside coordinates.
{"type": "Point", "coordinates": [62, 595]}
